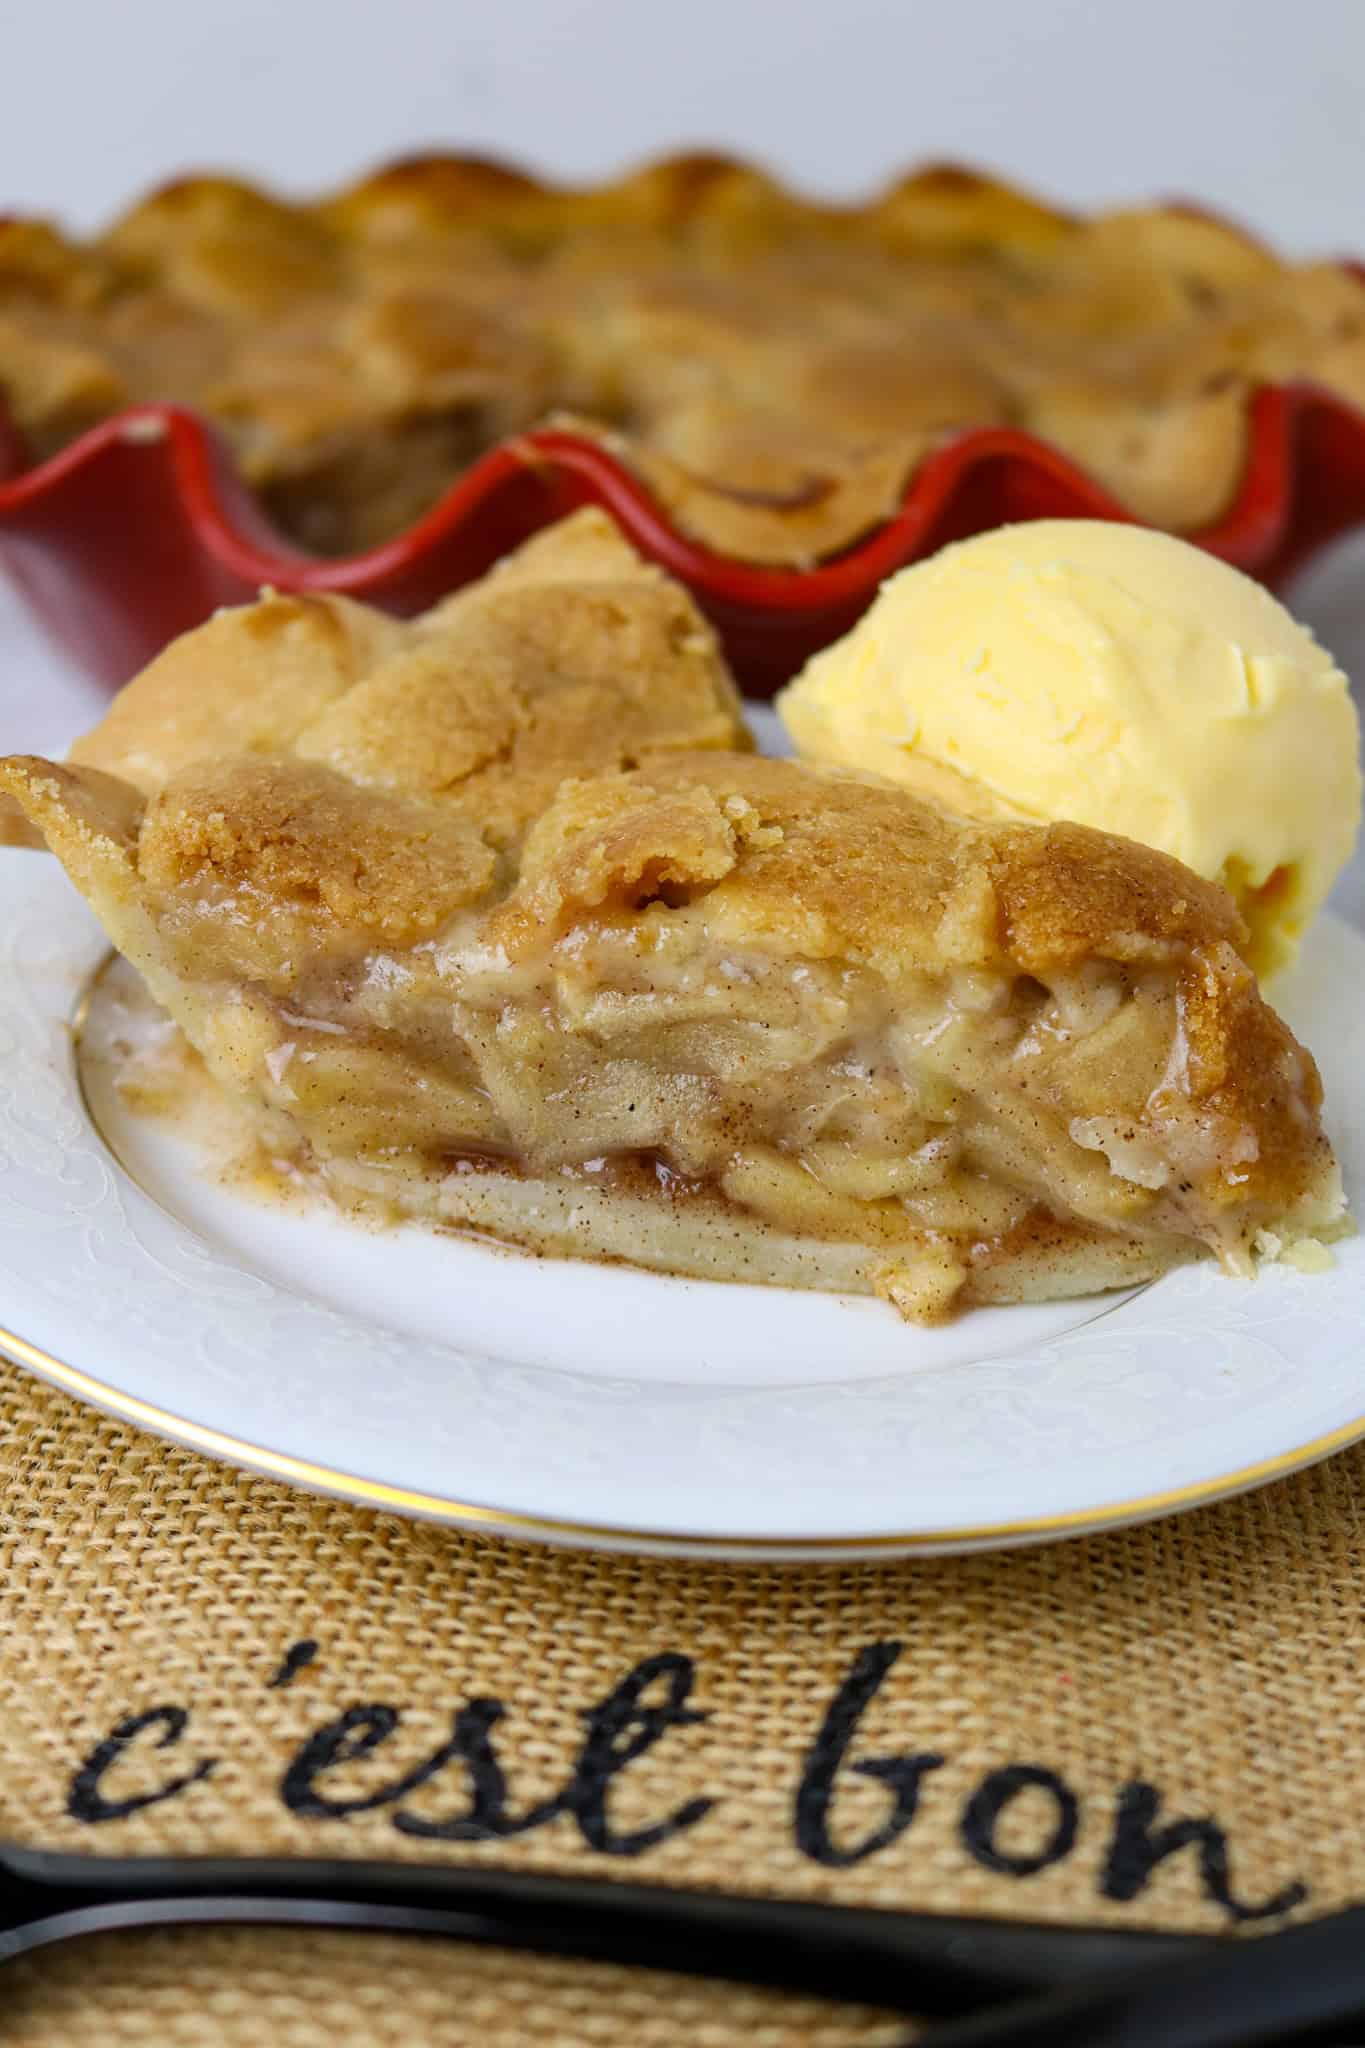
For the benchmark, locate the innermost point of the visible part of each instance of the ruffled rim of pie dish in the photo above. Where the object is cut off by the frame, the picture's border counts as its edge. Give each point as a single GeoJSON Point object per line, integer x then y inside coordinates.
{"type": "Point", "coordinates": [140, 527]}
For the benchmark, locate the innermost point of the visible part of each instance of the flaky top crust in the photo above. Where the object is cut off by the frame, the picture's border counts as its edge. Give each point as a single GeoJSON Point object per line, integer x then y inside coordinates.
{"type": "Point", "coordinates": [577, 695]}
{"type": "Point", "coordinates": [557, 754]}
{"type": "Point", "coordinates": [573, 655]}
{"type": "Point", "coordinates": [829, 864]}
{"type": "Point", "coordinates": [774, 368]}
{"type": "Point", "coordinates": [572, 716]}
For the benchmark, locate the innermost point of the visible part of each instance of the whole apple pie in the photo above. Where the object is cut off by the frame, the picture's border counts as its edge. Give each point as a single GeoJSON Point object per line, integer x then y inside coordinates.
{"type": "Point", "coordinates": [775, 370]}
{"type": "Point", "coordinates": [495, 919]}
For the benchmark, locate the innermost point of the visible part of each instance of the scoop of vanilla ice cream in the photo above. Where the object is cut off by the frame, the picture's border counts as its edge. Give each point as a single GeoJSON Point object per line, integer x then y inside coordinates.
{"type": "Point", "coordinates": [1083, 669]}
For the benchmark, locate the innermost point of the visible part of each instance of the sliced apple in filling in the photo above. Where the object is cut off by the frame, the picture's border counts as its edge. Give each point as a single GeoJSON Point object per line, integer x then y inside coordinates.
{"type": "Point", "coordinates": [492, 918]}
{"type": "Point", "coordinates": [719, 1015]}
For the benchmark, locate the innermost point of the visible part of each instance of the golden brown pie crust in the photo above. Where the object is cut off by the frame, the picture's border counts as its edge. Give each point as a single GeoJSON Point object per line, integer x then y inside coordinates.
{"type": "Point", "coordinates": [492, 919]}
{"type": "Point", "coordinates": [774, 369]}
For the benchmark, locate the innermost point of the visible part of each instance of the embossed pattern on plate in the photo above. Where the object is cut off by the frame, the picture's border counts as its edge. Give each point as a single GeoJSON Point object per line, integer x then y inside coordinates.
{"type": "Point", "coordinates": [590, 1404]}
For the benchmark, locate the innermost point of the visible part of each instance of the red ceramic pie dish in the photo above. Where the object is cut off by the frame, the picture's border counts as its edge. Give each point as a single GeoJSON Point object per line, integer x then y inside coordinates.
{"type": "Point", "coordinates": [141, 527]}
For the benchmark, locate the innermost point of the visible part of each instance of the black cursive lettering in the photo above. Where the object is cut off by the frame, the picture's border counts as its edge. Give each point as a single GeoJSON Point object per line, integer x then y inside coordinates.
{"type": "Point", "coordinates": [1138, 1846]}
{"type": "Point", "coordinates": [356, 1733]}
{"type": "Point", "coordinates": [294, 1660]}
{"type": "Point", "coordinates": [981, 1816]}
{"type": "Point", "coordinates": [622, 1728]}
{"type": "Point", "coordinates": [902, 1775]}
{"type": "Point", "coordinates": [485, 1817]}
{"type": "Point", "coordinates": [85, 1799]}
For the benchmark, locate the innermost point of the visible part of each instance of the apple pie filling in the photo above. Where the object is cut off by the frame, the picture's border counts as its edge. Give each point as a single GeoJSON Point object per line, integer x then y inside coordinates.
{"type": "Point", "coordinates": [491, 920]}
{"type": "Point", "coordinates": [927, 1121]}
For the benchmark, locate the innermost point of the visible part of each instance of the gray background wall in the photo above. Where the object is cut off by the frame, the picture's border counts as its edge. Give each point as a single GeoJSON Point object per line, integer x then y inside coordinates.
{"type": "Point", "coordinates": [1253, 107]}
{"type": "Point", "coordinates": [1249, 104]}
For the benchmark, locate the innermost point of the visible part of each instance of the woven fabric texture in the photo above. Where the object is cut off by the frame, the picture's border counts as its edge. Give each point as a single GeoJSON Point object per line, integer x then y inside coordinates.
{"type": "Point", "coordinates": [1161, 1726]}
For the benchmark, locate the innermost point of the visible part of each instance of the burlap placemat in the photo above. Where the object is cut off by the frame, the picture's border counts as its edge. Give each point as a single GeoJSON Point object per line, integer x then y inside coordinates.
{"type": "Point", "coordinates": [1162, 1726]}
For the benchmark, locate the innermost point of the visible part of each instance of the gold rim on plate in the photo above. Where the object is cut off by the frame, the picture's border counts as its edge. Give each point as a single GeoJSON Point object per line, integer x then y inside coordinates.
{"type": "Point", "coordinates": [376, 1493]}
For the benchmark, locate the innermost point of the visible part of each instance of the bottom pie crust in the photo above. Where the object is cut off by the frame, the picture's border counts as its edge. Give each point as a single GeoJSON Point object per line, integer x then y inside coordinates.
{"type": "Point", "coordinates": [630, 1210]}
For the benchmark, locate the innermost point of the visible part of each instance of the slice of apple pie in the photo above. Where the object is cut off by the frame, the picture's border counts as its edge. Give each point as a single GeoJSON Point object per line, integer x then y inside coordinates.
{"type": "Point", "coordinates": [494, 920]}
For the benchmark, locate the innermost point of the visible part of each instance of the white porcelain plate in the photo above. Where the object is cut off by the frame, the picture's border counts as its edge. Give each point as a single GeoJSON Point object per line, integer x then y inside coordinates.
{"type": "Point", "coordinates": [594, 1405]}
